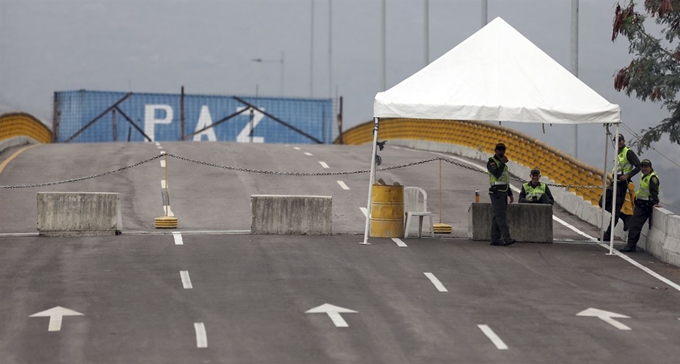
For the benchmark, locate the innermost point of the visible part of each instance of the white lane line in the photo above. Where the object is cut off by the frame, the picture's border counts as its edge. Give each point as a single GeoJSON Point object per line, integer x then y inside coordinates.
{"type": "Point", "coordinates": [163, 184]}
{"type": "Point", "coordinates": [323, 164]}
{"type": "Point", "coordinates": [400, 243]}
{"type": "Point", "coordinates": [162, 163]}
{"type": "Point", "coordinates": [159, 147]}
{"type": "Point", "coordinates": [364, 211]}
{"type": "Point", "coordinates": [440, 287]}
{"type": "Point", "coordinates": [186, 280]}
{"type": "Point", "coordinates": [591, 238]}
{"type": "Point", "coordinates": [201, 336]}
{"type": "Point", "coordinates": [158, 143]}
{"type": "Point", "coordinates": [162, 152]}
{"type": "Point", "coordinates": [493, 337]}
{"type": "Point", "coordinates": [308, 153]}
{"type": "Point", "coordinates": [178, 238]}
{"type": "Point", "coordinates": [343, 185]}
{"type": "Point", "coordinates": [296, 148]}
{"type": "Point", "coordinates": [642, 267]}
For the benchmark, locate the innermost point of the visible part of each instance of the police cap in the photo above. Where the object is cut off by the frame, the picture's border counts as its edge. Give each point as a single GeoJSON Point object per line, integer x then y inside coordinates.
{"type": "Point", "coordinates": [536, 171]}
{"type": "Point", "coordinates": [646, 162]}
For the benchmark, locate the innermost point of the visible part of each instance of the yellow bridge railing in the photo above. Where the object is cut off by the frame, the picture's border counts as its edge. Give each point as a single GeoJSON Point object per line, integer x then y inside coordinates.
{"type": "Point", "coordinates": [482, 136]}
{"type": "Point", "coordinates": [23, 124]}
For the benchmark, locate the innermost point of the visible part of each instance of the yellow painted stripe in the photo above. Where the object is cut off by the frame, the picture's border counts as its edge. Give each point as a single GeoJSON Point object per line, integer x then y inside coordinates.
{"type": "Point", "coordinates": [6, 162]}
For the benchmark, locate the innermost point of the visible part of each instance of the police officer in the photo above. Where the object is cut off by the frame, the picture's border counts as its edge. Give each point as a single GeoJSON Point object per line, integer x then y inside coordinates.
{"type": "Point", "coordinates": [628, 166]}
{"type": "Point", "coordinates": [499, 191]}
{"type": "Point", "coordinates": [535, 191]}
{"type": "Point", "coordinates": [646, 199]}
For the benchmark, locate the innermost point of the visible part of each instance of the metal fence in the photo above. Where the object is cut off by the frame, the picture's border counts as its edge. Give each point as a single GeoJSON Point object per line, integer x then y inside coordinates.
{"type": "Point", "coordinates": [102, 116]}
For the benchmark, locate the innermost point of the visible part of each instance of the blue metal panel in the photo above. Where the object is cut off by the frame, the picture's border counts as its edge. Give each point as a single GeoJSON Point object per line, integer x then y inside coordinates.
{"type": "Point", "coordinates": [158, 115]}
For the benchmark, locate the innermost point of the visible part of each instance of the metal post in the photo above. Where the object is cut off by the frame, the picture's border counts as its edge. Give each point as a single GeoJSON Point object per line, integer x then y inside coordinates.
{"type": "Point", "coordinates": [383, 48]}
{"type": "Point", "coordinates": [282, 82]}
{"type": "Point", "coordinates": [311, 52]}
{"type": "Point", "coordinates": [340, 141]}
{"type": "Point", "coordinates": [330, 49]}
{"type": "Point", "coordinates": [115, 126]}
{"type": "Point", "coordinates": [604, 183]}
{"type": "Point", "coordinates": [371, 178]}
{"type": "Point", "coordinates": [485, 12]}
{"type": "Point", "coordinates": [616, 183]}
{"type": "Point", "coordinates": [574, 64]}
{"type": "Point", "coordinates": [181, 113]}
{"type": "Point", "coordinates": [426, 41]}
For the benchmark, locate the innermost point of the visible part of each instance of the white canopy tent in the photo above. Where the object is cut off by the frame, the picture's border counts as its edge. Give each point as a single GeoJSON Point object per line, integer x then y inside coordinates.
{"type": "Point", "coordinates": [497, 75]}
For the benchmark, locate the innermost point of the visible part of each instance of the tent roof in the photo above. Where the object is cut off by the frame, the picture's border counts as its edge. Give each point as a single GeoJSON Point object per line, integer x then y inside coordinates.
{"type": "Point", "coordinates": [496, 74]}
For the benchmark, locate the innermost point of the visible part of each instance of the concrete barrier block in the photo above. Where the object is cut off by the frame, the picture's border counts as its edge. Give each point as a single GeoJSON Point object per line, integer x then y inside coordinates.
{"type": "Point", "coordinates": [79, 213]}
{"type": "Point", "coordinates": [528, 222]}
{"type": "Point", "coordinates": [291, 215]}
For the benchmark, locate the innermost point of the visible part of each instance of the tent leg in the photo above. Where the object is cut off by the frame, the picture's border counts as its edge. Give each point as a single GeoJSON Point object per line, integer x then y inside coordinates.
{"type": "Point", "coordinates": [615, 182]}
{"type": "Point", "coordinates": [371, 179]}
{"type": "Point", "coordinates": [604, 183]}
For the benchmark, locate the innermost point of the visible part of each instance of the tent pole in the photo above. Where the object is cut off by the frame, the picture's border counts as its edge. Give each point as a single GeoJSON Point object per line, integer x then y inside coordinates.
{"type": "Point", "coordinates": [616, 182]}
{"type": "Point", "coordinates": [604, 183]}
{"type": "Point", "coordinates": [371, 178]}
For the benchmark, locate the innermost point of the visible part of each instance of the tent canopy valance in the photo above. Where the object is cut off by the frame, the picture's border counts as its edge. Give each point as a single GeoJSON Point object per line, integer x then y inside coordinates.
{"type": "Point", "coordinates": [498, 75]}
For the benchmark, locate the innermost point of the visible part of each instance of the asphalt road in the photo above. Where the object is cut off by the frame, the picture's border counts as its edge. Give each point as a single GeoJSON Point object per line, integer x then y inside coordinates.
{"type": "Point", "coordinates": [216, 294]}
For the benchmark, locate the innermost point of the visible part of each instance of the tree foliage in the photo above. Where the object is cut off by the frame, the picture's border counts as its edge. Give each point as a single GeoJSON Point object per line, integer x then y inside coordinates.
{"type": "Point", "coordinates": [654, 72]}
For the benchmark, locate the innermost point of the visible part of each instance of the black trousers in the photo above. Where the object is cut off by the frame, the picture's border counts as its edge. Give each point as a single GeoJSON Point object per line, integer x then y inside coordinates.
{"type": "Point", "coordinates": [621, 190]}
{"type": "Point", "coordinates": [499, 223]}
{"type": "Point", "coordinates": [640, 215]}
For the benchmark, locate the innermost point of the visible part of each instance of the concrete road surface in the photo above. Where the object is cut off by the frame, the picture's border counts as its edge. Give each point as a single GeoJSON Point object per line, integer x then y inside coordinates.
{"type": "Point", "coordinates": [212, 293]}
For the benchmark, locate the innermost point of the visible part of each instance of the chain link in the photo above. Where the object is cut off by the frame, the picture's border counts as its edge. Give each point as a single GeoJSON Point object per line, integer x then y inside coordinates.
{"type": "Point", "coordinates": [276, 173]}
{"type": "Point", "coordinates": [84, 178]}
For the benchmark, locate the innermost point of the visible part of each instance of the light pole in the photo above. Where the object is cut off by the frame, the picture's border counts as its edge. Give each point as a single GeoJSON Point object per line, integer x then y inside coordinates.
{"type": "Point", "coordinates": [282, 61]}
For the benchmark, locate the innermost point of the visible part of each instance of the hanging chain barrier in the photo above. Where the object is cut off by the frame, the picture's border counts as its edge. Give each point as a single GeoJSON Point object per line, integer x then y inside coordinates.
{"type": "Point", "coordinates": [276, 173]}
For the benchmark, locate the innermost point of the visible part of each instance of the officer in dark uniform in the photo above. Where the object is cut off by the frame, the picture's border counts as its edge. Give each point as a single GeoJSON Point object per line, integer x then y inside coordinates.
{"type": "Point", "coordinates": [536, 191]}
{"type": "Point", "coordinates": [499, 191]}
{"type": "Point", "coordinates": [628, 166]}
{"type": "Point", "coordinates": [647, 197]}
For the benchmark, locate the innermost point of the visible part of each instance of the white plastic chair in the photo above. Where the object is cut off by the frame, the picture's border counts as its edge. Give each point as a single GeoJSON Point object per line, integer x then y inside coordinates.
{"type": "Point", "coordinates": [415, 204]}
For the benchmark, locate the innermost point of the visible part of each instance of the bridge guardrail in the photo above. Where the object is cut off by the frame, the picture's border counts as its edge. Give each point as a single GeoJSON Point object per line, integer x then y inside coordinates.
{"type": "Point", "coordinates": [22, 124]}
{"type": "Point", "coordinates": [554, 164]}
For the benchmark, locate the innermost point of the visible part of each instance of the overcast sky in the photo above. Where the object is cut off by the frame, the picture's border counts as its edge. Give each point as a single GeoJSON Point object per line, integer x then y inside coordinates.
{"type": "Point", "coordinates": [208, 46]}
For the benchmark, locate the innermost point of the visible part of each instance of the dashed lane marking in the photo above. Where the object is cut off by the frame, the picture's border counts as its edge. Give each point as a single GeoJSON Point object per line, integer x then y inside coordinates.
{"type": "Point", "coordinates": [323, 164]}
{"type": "Point", "coordinates": [493, 337]}
{"type": "Point", "coordinates": [343, 185]}
{"type": "Point", "coordinates": [201, 336]}
{"type": "Point", "coordinates": [400, 243]}
{"type": "Point", "coordinates": [186, 280]}
{"type": "Point", "coordinates": [308, 153]}
{"type": "Point", "coordinates": [178, 238]}
{"type": "Point", "coordinates": [437, 284]}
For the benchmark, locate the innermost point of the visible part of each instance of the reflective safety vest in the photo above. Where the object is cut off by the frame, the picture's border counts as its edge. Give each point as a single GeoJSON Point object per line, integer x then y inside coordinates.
{"type": "Point", "coordinates": [504, 180]}
{"type": "Point", "coordinates": [624, 166]}
{"type": "Point", "coordinates": [532, 192]}
{"type": "Point", "coordinates": [643, 191]}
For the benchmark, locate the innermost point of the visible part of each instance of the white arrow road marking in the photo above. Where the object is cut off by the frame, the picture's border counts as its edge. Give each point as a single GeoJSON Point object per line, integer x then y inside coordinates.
{"type": "Point", "coordinates": [201, 336]}
{"type": "Point", "coordinates": [399, 243]}
{"type": "Point", "coordinates": [440, 287]}
{"type": "Point", "coordinates": [605, 316]}
{"type": "Point", "coordinates": [493, 337]}
{"type": "Point", "coordinates": [343, 185]}
{"type": "Point", "coordinates": [333, 312]}
{"type": "Point", "coordinates": [178, 238]}
{"type": "Point", "coordinates": [55, 314]}
{"type": "Point", "coordinates": [323, 164]}
{"type": "Point", "coordinates": [186, 280]}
